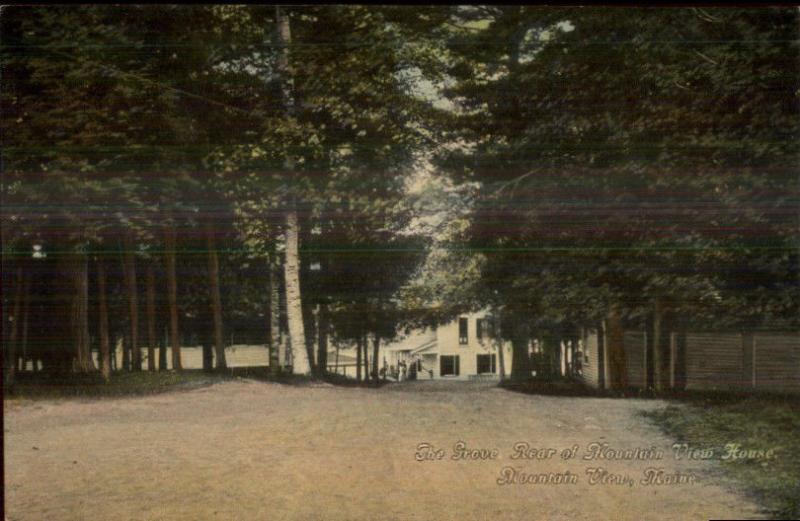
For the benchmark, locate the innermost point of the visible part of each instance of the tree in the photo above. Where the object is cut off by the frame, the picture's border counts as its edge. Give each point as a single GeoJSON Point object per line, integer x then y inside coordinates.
{"type": "Point", "coordinates": [105, 350]}
{"type": "Point", "coordinates": [78, 140]}
{"type": "Point", "coordinates": [640, 185]}
{"type": "Point", "coordinates": [10, 350]}
{"type": "Point", "coordinates": [321, 136]}
{"type": "Point", "coordinates": [216, 303]}
{"type": "Point", "coordinates": [151, 317]}
{"type": "Point", "coordinates": [129, 263]}
{"type": "Point", "coordinates": [172, 295]}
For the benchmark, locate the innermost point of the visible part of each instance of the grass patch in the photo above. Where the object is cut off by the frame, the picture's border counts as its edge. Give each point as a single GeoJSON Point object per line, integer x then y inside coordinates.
{"type": "Point", "coordinates": [48, 386]}
{"type": "Point", "coordinates": [568, 386]}
{"type": "Point", "coordinates": [755, 422]}
{"type": "Point", "coordinates": [554, 387]}
{"type": "Point", "coordinates": [144, 383]}
{"type": "Point", "coordinates": [264, 374]}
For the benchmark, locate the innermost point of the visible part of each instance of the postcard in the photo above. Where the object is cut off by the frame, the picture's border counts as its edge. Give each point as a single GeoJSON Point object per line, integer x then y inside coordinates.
{"type": "Point", "coordinates": [400, 263]}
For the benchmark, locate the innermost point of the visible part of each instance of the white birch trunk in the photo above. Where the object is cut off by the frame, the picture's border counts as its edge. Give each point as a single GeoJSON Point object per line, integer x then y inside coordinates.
{"type": "Point", "coordinates": [294, 309]}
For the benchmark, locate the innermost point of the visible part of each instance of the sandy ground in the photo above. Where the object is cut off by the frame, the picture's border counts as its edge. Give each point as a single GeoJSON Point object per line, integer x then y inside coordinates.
{"type": "Point", "coordinates": [246, 450]}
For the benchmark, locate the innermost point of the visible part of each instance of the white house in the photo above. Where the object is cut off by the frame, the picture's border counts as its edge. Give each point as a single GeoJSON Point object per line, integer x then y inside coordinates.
{"type": "Point", "coordinates": [463, 349]}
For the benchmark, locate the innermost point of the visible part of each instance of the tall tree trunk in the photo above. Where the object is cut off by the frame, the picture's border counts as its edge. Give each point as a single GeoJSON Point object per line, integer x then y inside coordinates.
{"type": "Point", "coordinates": [162, 350]}
{"type": "Point", "coordinates": [216, 301]}
{"type": "Point", "coordinates": [376, 343]}
{"type": "Point", "coordinates": [680, 354]}
{"type": "Point", "coordinates": [25, 313]}
{"type": "Point", "coordinates": [172, 294]}
{"type": "Point", "coordinates": [284, 349]}
{"type": "Point", "coordinates": [80, 314]}
{"type": "Point", "coordinates": [129, 261]}
{"type": "Point", "coordinates": [294, 308]}
{"type": "Point", "coordinates": [500, 347]}
{"type": "Point", "coordinates": [151, 317]}
{"type": "Point", "coordinates": [11, 348]}
{"type": "Point", "coordinates": [322, 339]}
{"type": "Point", "coordinates": [659, 345]}
{"type": "Point", "coordinates": [126, 351]}
{"type": "Point", "coordinates": [294, 305]}
{"type": "Point", "coordinates": [207, 341]}
{"type": "Point", "coordinates": [573, 355]}
{"type": "Point", "coordinates": [276, 362]}
{"type": "Point", "coordinates": [365, 345]}
{"type": "Point", "coordinates": [358, 358]}
{"type": "Point", "coordinates": [520, 360]}
{"type": "Point", "coordinates": [310, 322]}
{"type": "Point", "coordinates": [105, 348]}
{"type": "Point", "coordinates": [616, 351]}
{"type": "Point", "coordinates": [114, 359]}
{"type": "Point", "coordinates": [602, 355]}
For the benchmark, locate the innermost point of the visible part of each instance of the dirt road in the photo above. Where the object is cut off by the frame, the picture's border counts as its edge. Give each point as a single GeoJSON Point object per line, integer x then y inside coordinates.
{"type": "Point", "coordinates": [246, 450]}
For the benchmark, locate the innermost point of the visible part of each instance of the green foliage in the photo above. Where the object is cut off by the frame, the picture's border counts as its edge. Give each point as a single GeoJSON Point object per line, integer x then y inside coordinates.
{"type": "Point", "coordinates": [119, 120]}
{"type": "Point", "coordinates": [121, 384]}
{"type": "Point", "coordinates": [755, 424]}
{"type": "Point", "coordinates": [630, 155]}
{"type": "Point", "coordinates": [611, 157]}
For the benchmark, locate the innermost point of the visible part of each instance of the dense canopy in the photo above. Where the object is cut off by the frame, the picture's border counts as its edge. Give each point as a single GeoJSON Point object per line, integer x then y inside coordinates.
{"type": "Point", "coordinates": [577, 165]}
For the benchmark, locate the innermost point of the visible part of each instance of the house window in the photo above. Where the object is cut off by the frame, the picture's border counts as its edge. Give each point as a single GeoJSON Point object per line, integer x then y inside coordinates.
{"type": "Point", "coordinates": [463, 325]}
{"type": "Point", "coordinates": [487, 364]}
{"type": "Point", "coordinates": [480, 325]}
{"type": "Point", "coordinates": [448, 365]}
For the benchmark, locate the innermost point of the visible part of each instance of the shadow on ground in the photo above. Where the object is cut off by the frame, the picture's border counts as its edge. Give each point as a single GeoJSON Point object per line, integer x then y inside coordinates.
{"type": "Point", "coordinates": [143, 383]}
{"type": "Point", "coordinates": [566, 387]}
{"type": "Point", "coordinates": [46, 385]}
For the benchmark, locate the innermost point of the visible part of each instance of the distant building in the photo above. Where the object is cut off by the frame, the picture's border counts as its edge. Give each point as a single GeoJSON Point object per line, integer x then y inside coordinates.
{"type": "Point", "coordinates": [463, 349]}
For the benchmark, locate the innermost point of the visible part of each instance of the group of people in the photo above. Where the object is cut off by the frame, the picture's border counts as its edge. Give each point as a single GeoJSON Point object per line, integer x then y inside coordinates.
{"type": "Point", "coordinates": [404, 371]}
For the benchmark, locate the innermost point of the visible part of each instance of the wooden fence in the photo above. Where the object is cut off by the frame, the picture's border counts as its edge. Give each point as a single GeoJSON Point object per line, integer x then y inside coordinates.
{"type": "Point", "coordinates": [703, 360]}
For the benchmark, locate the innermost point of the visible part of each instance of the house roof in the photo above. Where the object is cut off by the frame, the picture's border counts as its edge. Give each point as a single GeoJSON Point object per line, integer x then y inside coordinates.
{"type": "Point", "coordinates": [431, 346]}
{"type": "Point", "coordinates": [414, 342]}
